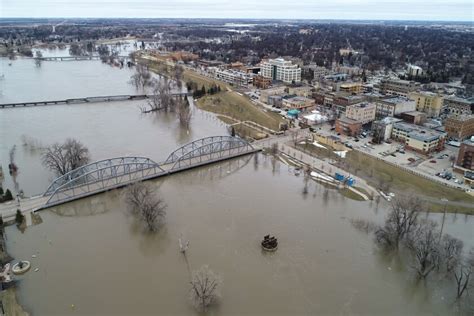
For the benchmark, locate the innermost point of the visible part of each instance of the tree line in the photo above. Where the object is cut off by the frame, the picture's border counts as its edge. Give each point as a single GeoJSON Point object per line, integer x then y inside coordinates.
{"type": "Point", "coordinates": [429, 250]}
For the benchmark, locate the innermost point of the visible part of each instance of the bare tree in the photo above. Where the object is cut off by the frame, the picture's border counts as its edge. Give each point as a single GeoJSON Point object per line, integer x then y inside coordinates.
{"type": "Point", "coordinates": [62, 158]}
{"type": "Point", "coordinates": [451, 252]}
{"type": "Point", "coordinates": [204, 288]}
{"type": "Point", "coordinates": [142, 77]}
{"type": "Point", "coordinates": [184, 113]}
{"type": "Point", "coordinates": [38, 58]}
{"type": "Point", "coordinates": [401, 221]}
{"type": "Point", "coordinates": [146, 205]}
{"type": "Point", "coordinates": [161, 98]}
{"type": "Point", "coordinates": [178, 76]}
{"type": "Point", "coordinates": [462, 274]}
{"type": "Point", "coordinates": [424, 244]}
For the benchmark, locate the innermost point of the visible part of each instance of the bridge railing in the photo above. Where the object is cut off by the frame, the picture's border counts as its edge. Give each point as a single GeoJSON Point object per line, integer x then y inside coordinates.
{"type": "Point", "coordinates": [117, 172]}
{"type": "Point", "coordinates": [76, 173]}
{"type": "Point", "coordinates": [104, 179]}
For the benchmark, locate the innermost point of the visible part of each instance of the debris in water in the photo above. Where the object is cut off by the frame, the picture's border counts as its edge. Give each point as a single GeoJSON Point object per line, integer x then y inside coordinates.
{"type": "Point", "coordinates": [37, 269]}
{"type": "Point", "coordinates": [33, 256]}
{"type": "Point", "coordinates": [389, 268]}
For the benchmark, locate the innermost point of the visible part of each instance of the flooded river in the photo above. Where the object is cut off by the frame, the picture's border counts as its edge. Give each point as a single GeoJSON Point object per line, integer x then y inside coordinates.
{"type": "Point", "coordinates": [93, 260]}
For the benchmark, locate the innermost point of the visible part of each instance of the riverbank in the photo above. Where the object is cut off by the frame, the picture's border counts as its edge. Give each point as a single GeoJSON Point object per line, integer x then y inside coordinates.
{"type": "Point", "coordinates": [379, 174]}
{"type": "Point", "coordinates": [8, 297]}
{"type": "Point", "coordinates": [228, 102]}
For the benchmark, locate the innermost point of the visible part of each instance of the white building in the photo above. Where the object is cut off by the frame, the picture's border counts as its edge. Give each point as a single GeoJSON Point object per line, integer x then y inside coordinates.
{"type": "Point", "coordinates": [414, 71]}
{"type": "Point", "coordinates": [233, 77]}
{"type": "Point", "coordinates": [282, 70]}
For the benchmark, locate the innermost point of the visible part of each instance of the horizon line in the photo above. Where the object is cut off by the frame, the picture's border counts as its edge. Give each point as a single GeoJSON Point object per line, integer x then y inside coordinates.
{"type": "Point", "coordinates": [234, 18]}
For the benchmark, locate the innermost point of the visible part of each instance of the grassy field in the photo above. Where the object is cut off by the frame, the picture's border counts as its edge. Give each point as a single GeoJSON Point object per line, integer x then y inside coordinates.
{"type": "Point", "coordinates": [239, 107]}
{"type": "Point", "coordinates": [351, 195]}
{"type": "Point", "coordinates": [202, 80]}
{"type": "Point", "coordinates": [379, 173]}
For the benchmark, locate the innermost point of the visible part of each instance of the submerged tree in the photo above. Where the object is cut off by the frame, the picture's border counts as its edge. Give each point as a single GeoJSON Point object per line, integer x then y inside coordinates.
{"type": "Point", "coordinates": [142, 77]}
{"type": "Point", "coordinates": [184, 113]}
{"type": "Point", "coordinates": [178, 76]}
{"type": "Point", "coordinates": [204, 288]}
{"type": "Point", "coordinates": [144, 203]}
{"type": "Point", "coordinates": [401, 221]}
{"type": "Point", "coordinates": [62, 158]}
{"type": "Point", "coordinates": [424, 244]}
{"type": "Point", "coordinates": [38, 58]}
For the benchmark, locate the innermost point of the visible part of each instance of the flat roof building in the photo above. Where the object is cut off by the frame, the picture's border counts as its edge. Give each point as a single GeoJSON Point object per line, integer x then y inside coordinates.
{"type": "Point", "coordinates": [460, 126]}
{"type": "Point", "coordinates": [281, 70]}
{"type": "Point", "coordinates": [465, 160]}
{"type": "Point", "coordinates": [298, 103]}
{"type": "Point", "coordinates": [418, 138]}
{"type": "Point", "coordinates": [394, 106]}
{"type": "Point", "coordinates": [456, 105]}
{"type": "Point", "coordinates": [363, 112]}
{"type": "Point", "coordinates": [398, 87]}
{"type": "Point", "coordinates": [427, 102]}
{"type": "Point", "coordinates": [233, 77]}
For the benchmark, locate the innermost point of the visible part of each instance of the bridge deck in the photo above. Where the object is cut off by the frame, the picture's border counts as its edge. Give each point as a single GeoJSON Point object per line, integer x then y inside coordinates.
{"type": "Point", "coordinates": [106, 98]}
{"type": "Point", "coordinates": [33, 204]}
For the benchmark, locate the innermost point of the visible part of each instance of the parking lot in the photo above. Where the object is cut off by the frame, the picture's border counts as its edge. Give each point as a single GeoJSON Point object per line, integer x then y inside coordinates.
{"type": "Point", "coordinates": [393, 152]}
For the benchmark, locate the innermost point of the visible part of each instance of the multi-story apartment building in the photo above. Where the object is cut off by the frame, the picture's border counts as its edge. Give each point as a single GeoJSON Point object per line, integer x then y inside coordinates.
{"type": "Point", "coordinates": [281, 70]}
{"type": "Point", "coordinates": [455, 105]}
{"type": "Point", "coordinates": [427, 102]}
{"type": "Point", "coordinates": [459, 126]}
{"type": "Point", "coordinates": [233, 77]}
{"type": "Point", "coordinates": [414, 71]}
{"type": "Point", "coordinates": [418, 138]}
{"type": "Point", "coordinates": [393, 106]}
{"type": "Point", "coordinates": [363, 112]}
{"type": "Point", "coordinates": [398, 87]}
{"type": "Point", "coordinates": [465, 158]}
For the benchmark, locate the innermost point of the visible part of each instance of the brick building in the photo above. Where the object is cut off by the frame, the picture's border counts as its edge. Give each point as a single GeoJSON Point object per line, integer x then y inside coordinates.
{"type": "Point", "coordinates": [348, 126]}
{"type": "Point", "coordinates": [460, 126]}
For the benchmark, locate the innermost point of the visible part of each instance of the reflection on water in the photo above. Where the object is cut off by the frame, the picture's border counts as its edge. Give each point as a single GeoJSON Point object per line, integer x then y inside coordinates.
{"type": "Point", "coordinates": [105, 264]}
{"type": "Point", "coordinates": [92, 254]}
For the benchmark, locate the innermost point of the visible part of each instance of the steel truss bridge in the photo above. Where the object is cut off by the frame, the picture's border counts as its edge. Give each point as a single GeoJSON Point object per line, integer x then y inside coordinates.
{"type": "Point", "coordinates": [108, 174]}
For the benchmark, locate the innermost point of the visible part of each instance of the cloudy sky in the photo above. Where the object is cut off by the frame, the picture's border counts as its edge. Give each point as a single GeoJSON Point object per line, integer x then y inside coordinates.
{"type": "Point", "coordinates": [448, 10]}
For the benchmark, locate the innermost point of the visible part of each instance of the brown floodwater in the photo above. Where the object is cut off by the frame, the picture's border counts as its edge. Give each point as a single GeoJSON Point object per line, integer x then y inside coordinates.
{"type": "Point", "coordinates": [94, 260]}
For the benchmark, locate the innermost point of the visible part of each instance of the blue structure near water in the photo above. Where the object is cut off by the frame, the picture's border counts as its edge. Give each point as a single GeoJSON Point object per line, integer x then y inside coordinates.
{"type": "Point", "coordinates": [348, 180]}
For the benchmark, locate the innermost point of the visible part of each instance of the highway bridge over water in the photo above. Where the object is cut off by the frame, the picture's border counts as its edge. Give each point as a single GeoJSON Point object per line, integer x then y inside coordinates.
{"type": "Point", "coordinates": [113, 173]}
{"type": "Point", "coordinates": [105, 98]}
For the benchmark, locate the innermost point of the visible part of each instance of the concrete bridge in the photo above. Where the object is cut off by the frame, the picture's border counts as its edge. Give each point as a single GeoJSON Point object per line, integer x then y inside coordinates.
{"type": "Point", "coordinates": [106, 98]}
{"type": "Point", "coordinates": [113, 173]}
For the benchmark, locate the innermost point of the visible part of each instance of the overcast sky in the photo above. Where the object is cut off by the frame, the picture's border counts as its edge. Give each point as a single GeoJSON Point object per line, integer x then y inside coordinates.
{"type": "Point", "coordinates": [448, 10]}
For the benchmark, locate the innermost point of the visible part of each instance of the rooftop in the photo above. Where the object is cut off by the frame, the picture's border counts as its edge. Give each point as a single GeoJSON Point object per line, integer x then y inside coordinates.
{"type": "Point", "coordinates": [418, 132]}
{"type": "Point", "coordinates": [462, 117]}
{"type": "Point", "coordinates": [396, 100]}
